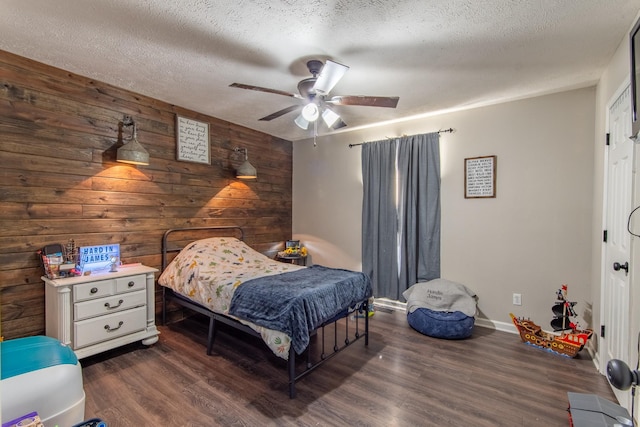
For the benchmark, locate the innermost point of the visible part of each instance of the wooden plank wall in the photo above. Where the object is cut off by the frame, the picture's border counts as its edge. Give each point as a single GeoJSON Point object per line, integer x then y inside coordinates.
{"type": "Point", "coordinates": [59, 133]}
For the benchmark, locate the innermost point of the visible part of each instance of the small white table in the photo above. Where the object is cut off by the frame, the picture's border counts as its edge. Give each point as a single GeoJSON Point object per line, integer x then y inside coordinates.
{"type": "Point", "coordinates": [95, 313]}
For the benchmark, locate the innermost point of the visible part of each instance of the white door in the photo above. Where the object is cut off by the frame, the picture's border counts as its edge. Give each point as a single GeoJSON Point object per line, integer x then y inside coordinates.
{"type": "Point", "coordinates": [615, 287]}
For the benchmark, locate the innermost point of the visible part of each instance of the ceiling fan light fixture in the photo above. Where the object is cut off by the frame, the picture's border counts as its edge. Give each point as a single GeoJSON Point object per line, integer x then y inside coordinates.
{"type": "Point", "coordinates": [338, 124]}
{"type": "Point", "coordinates": [301, 122]}
{"type": "Point", "coordinates": [330, 117]}
{"type": "Point", "coordinates": [314, 92]}
{"type": "Point", "coordinates": [310, 112]}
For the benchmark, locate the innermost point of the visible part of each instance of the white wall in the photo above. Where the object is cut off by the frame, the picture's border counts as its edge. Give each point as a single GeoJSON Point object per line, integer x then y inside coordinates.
{"type": "Point", "coordinates": [533, 237]}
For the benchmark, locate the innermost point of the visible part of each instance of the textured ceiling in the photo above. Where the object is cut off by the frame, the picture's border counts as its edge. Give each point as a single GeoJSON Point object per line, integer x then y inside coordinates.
{"type": "Point", "coordinates": [435, 55]}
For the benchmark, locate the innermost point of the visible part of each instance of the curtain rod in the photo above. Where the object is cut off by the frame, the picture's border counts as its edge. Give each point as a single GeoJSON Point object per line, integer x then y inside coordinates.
{"type": "Point", "coordinates": [440, 131]}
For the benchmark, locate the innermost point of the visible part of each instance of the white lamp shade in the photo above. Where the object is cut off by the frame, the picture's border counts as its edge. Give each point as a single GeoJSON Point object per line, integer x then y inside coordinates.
{"type": "Point", "coordinates": [329, 117]}
{"type": "Point", "coordinates": [310, 112]}
{"type": "Point", "coordinates": [301, 122]}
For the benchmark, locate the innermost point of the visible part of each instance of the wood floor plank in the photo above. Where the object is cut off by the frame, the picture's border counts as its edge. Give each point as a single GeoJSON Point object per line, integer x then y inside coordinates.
{"type": "Point", "coordinates": [402, 378]}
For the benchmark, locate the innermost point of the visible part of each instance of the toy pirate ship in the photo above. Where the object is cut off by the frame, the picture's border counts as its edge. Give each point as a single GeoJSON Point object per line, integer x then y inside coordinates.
{"type": "Point", "coordinates": [570, 340]}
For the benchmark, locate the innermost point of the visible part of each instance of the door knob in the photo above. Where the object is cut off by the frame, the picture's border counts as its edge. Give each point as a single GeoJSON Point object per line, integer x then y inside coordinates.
{"type": "Point", "coordinates": [617, 267]}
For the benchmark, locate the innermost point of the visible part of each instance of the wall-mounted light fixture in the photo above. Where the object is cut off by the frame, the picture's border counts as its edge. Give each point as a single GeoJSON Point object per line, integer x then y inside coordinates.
{"type": "Point", "coordinates": [132, 152]}
{"type": "Point", "coordinates": [246, 169]}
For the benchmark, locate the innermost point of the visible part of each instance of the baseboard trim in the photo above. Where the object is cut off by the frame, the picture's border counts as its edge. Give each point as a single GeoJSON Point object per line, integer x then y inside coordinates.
{"type": "Point", "coordinates": [496, 325]}
{"type": "Point", "coordinates": [390, 304]}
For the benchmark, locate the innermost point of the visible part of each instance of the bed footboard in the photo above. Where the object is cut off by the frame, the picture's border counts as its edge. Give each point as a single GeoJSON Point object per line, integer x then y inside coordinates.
{"type": "Point", "coordinates": [352, 319]}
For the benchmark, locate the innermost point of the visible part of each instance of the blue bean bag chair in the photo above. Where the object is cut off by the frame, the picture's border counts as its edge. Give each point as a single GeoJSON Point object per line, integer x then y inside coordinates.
{"type": "Point", "coordinates": [442, 309]}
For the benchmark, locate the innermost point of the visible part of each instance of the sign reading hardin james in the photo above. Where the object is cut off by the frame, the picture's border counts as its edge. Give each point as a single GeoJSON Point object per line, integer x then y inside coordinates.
{"type": "Point", "coordinates": [97, 259]}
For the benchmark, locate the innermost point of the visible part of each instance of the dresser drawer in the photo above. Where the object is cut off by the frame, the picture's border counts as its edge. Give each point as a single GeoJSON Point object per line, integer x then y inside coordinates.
{"type": "Point", "coordinates": [111, 304]}
{"type": "Point", "coordinates": [104, 328]}
{"type": "Point", "coordinates": [97, 289]}
{"type": "Point", "coordinates": [131, 283]}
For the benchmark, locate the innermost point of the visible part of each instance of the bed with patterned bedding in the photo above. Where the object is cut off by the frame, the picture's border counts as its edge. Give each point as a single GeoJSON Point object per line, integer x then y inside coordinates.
{"type": "Point", "coordinates": [284, 304]}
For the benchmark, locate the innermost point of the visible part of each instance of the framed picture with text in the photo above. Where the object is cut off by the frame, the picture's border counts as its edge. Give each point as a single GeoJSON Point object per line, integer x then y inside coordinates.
{"type": "Point", "coordinates": [480, 177]}
{"type": "Point", "coordinates": [192, 141]}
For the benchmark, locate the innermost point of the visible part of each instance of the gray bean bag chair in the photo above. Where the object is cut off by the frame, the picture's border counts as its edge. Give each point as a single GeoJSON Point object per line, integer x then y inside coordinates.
{"type": "Point", "coordinates": [441, 308]}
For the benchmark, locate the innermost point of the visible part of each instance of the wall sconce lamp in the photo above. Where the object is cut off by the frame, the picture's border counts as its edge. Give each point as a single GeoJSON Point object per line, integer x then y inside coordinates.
{"type": "Point", "coordinates": [246, 169]}
{"type": "Point", "coordinates": [132, 152]}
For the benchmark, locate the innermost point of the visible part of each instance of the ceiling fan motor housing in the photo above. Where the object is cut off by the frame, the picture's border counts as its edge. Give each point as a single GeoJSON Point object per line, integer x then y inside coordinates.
{"type": "Point", "coordinates": [315, 67]}
{"type": "Point", "coordinates": [305, 87]}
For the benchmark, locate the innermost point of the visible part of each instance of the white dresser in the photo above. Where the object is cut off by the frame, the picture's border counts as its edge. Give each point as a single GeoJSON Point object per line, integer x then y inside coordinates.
{"type": "Point", "coordinates": [95, 313]}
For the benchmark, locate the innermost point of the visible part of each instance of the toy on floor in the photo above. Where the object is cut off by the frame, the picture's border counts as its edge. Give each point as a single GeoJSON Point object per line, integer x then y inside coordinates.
{"type": "Point", "coordinates": [566, 344]}
{"type": "Point", "coordinates": [370, 310]}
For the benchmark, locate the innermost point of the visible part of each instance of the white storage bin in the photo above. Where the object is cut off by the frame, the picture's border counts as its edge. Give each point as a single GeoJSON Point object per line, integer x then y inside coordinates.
{"type": "Point", "coordinates": [41, 375]}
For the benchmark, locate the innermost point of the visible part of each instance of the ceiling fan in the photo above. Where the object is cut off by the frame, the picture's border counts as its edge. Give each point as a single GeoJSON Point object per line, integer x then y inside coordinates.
{"type": "Point", "coordinates": [314, 94]}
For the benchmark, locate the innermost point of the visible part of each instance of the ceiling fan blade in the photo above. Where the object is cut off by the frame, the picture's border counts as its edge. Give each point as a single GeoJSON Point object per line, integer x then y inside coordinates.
{"type": "Point", "coordinates": [265, 89]}
{"type": "Point", "coordinates": [369, 101]}
{"type": "Point", "coordinates": [280, 113]}
{"type": "Point", "coordinates": [329, 76]}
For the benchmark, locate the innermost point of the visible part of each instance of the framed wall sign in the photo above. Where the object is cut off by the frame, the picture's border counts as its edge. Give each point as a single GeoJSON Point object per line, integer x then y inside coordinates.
{"type": "Point", "coordinates": [192, 141]}
{"type": "Point", "coordinates": [480, 177]}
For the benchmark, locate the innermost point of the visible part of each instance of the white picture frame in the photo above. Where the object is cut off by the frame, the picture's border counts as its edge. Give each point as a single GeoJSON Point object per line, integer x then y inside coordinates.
{"type": "Point", "coordinates": [192, 141]}
{"type": "Point", "coordinates": [480, 177]}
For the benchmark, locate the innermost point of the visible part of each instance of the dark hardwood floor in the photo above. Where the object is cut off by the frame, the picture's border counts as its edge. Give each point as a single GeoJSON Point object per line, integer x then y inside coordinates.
{"type": "Point", "coordinates": [402, 378]}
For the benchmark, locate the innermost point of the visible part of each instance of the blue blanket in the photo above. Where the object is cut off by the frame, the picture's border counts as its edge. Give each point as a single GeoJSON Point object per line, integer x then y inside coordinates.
{"type": "Point", "coordinates": [298, 302]}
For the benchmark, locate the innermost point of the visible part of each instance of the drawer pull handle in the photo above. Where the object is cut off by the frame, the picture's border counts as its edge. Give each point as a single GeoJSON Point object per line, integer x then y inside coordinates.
{"type": "Point", "coordinates": [110, 329]}
{"type": "Point", "coordinates": [131, 284]}
{"type": "Point", "coordinates": [94, 290]}
{"type": "Point", "coordinates": [108, 305]}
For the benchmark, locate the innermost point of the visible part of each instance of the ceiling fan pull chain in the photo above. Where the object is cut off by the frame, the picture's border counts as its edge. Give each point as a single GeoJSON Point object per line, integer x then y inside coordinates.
{"type": "Point", "coordinates": [315, 133]}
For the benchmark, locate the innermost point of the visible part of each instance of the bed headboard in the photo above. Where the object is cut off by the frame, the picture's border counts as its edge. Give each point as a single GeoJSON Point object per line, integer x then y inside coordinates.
{"type": "Point", "coordinates": [175, 239]}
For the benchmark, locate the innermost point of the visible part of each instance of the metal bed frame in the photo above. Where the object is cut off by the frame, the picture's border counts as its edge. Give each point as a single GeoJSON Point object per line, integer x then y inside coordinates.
{"type": "Point", "coordinates": [311, 364]}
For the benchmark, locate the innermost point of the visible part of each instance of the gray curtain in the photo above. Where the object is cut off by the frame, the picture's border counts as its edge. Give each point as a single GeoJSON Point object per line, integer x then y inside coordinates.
{"type": "Point", "coordinates": [401, 243]}
{"type": "Point", "coordinates": [419, 209]}
{"type": "Point", "coordinates": [379, 216]}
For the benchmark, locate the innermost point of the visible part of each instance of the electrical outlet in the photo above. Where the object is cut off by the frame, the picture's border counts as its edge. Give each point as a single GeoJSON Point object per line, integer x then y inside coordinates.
{"type": "Point", "coordinates": [517, 299]}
